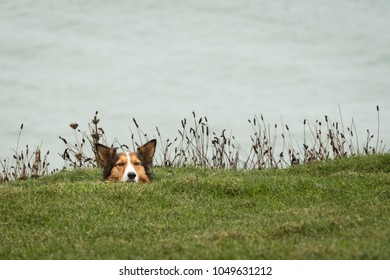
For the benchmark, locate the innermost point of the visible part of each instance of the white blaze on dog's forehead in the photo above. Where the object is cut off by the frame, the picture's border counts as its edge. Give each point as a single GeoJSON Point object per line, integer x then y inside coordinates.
{"type": "Point", "coordinates": [129, 168]}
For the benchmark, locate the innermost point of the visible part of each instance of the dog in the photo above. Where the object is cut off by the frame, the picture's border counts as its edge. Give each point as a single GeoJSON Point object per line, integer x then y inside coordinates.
{"type": "Point", "coordinates": [126, 166]}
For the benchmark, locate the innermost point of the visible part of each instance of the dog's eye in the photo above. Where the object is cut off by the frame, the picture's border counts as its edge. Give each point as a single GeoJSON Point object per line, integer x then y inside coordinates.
{"type": "Point", "coordinates": [137, 163]}
{"type": "Point", "coordinates": [120, 164]}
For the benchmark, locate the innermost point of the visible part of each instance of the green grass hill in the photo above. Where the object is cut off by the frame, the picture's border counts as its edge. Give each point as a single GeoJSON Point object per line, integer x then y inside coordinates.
{"type": "Point", "coordinates": [337, 209]}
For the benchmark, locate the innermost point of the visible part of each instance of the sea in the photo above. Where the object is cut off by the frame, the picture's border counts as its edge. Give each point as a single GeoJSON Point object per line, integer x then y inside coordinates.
{"type": "Point", "coordinates": [158, 61]}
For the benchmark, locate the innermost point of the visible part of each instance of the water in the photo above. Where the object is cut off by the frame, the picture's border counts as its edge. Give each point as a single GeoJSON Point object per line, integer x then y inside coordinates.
{"type": "Point", "coordinates": [158, 61]}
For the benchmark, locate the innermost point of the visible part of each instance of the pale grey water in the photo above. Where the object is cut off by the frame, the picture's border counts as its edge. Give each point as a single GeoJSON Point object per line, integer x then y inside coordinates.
{"type": "Point", "coordinates": [158, 61]}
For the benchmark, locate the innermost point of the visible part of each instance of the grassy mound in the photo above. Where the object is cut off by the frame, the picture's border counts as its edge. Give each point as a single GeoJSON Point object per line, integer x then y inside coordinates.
{"type": "Point", "coordinates": [332, 210]}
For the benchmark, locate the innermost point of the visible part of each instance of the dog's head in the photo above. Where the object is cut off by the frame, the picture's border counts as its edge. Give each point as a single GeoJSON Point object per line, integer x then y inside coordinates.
{"type": "Point", "coordinates": [126, 166]}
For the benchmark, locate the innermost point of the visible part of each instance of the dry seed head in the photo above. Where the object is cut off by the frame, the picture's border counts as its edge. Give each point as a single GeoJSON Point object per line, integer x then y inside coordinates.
{"type": "Point", "coordinates": [95, 120]}
{"type": "Point", "coordinates": [135, 122]}
{"type": "Point", "coordinates": [79, 156]}
{"type": "Point", "coordinates": [74, 125]}
{"type": "Point", "coordinates": [63, 139]}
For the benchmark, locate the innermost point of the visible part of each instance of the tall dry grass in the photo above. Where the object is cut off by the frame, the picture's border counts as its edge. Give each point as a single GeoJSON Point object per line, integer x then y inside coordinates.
{"type": "Point", "coordinates": [271, 146]}
{"type": "Point", "coordinates": [25, 163]}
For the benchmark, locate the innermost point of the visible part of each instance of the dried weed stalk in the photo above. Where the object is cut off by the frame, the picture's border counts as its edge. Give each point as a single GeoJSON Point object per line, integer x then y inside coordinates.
{"type": "Point", "coordinates": [197, 145]}
{"type": "Point", "coordinates": [77, 154]}
{"type": "Point", "coordinates": [25, 163]}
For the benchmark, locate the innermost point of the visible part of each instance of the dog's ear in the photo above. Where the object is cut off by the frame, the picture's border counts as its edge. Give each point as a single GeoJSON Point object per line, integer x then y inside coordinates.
{"type": "Point", "coordinates": [104, 155]}
{"type": "Point", "coordinates": [147, 151]}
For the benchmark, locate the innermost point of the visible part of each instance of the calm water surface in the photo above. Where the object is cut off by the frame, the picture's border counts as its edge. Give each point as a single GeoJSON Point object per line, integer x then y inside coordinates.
{"type": "Point", "coordinates": [158, 61]}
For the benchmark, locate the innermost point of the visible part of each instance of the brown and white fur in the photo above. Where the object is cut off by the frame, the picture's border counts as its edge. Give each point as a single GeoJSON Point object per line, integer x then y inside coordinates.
{"type": "Point", "coordinates": [126, 166]}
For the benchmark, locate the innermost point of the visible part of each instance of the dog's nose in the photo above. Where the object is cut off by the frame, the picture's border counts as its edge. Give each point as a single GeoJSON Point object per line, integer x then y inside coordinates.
{"type": "Point", "coordinates": [131, 175]}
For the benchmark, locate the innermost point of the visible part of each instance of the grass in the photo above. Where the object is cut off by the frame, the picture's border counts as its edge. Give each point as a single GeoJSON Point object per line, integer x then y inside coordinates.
{"type": "Point", "coordinates": [335, 209]}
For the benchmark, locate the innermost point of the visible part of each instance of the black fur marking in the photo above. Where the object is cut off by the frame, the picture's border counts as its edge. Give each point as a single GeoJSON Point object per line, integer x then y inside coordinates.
{"type": "Point", "coordinates": [107, 168]}
{"type": "Point", "coordinates": [146, 166]}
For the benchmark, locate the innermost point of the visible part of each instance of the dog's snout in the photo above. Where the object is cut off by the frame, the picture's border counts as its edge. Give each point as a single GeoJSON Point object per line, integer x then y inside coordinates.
{"type": "Point", "coordinates": [131, 175]}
